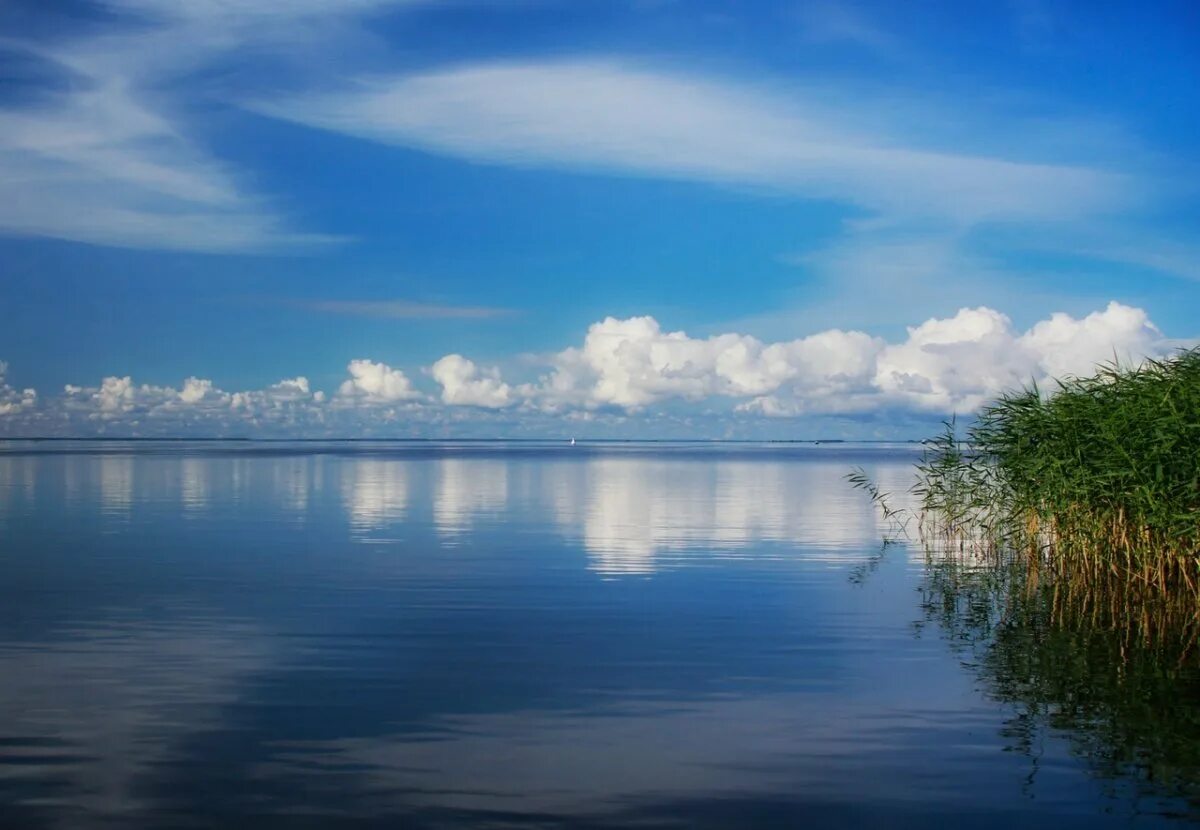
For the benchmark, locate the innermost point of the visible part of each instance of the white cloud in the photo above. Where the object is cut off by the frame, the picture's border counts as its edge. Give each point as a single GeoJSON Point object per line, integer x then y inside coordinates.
{"type": "Point", "coordinates": [287, 400]}
{"type": "Point", "coordinates": [1072, 347]}
{"type": "Point", "coordinates": [625, 369]}
{"type": "Point", "coordinates": [118, 397]}
{"type": "Point", "coordinates": [199, 405]}
{"type": "Point", "coordinates": [109, 157]}
{"type": "Point", "coordinates": [839, 22]}
{"type": "Point", "coordinates": [195, 390]}
{"type": "Point", "coordinates": [944, 365]}
{"type": "Point", "coordinates": [465, 384]}
{"type": "Point", "coordinates": [99, 163]}
{"type": "Point", "coordinates": [14, 401]}
{"type": "Point", "coordinates": [632, 363]}
{"type": "Point", "coordinates": [955, 363]}
{"type": "Point", "coordinates": [115, 395]}
{"type": "Point", "coordinates": [249, 11]}
{"type": "Point", "coordinates": [402, 309]}
{"type": "Point", "coordinates": [374, 383]}
{"type": "Point", "coordinates": [962, 362]}
{"type": "Point", "coordinates": [612, 117]}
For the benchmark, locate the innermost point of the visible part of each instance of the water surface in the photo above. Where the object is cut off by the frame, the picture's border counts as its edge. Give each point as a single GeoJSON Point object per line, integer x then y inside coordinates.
{"type": "Point", "coordinates": [499, 635]}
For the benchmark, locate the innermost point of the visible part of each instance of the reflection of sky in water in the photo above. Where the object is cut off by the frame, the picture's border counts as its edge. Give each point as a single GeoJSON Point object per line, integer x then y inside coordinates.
{"type": "Point", "coordinates": [96, 709]}
{"type": "Point", "coordinates": [375, 493]}
{"type": "Point", "coordinates": [632, 513]}
{"type": "Point", "coordinates": [530, 638]}
{"type": "Point", "coordinates": [116, 484]}
{"type": "Point", "coordinates": [629, 513]}
{"type": "Point", "coordinates": [193, 483]}
{"type": "Point", "coordinates": [466, 491]}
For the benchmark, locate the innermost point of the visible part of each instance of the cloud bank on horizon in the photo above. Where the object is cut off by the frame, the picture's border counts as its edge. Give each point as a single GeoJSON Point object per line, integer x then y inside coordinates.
{"type": "Point", "coordinates": [405, 195]}
{"type": "Point", "coordinates": [625, 368]}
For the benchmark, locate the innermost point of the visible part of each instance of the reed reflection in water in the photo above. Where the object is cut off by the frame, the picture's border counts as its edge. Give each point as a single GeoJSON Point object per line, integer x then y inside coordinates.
{"type": "Point", "coordinates": [1116, 674]}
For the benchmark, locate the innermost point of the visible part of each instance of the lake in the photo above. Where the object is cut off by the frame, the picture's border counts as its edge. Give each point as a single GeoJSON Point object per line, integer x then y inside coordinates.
{"type": "Point", "coordinates": [490, 634]}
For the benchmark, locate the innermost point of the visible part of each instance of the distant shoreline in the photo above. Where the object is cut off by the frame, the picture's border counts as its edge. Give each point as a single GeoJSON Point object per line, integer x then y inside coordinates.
{"type": "Point", "coordinates": [182, 439]}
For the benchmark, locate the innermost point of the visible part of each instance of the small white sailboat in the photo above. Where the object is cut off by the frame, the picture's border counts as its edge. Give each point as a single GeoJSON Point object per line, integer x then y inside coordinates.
{"type": "Point", "coordinates": [572, 442]}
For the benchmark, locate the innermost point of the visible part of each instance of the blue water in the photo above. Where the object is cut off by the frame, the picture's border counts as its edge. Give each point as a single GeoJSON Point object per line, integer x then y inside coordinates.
{"type": "Point", "coordinates": [491, 635]}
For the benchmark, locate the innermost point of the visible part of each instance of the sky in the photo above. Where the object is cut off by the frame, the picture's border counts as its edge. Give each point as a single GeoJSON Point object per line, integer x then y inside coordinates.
{"type": "Point", "coordinates": [593, 218]}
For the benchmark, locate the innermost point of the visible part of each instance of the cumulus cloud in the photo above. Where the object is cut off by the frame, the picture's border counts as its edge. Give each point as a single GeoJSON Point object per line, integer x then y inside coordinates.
{"type": "Point", "coordinates": [1072, 347]}
{"type": "Point", "coordinates": [961, 362]}
{"type": "Point", "coordinates": [13, 401]}
{"type": "Point", "coordinates": [954, 363]}
{"type": "Point", "coordinates": [633, 363]}
{"type": "Point", "coordinates": [195, 390]}
{"type": "Point", "coordinates": [375, 383]}
{"type": "Point", "coordinates": [944, 365]}
{"type": "Point", "coordinates": [198, 405]}
{"type": "Point", "coordinates": [117, 397]}
{"type": "Point", "coordinates": [286, 396]}
{"type": "Point", "coordinates": [465, 384]}
{"type": "Point", "coordinates": [631, 371]}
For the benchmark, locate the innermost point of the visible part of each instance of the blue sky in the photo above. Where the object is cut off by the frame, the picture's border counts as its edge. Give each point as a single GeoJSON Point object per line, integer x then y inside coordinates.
{"type": "Point", "coordinates": [802, 218]}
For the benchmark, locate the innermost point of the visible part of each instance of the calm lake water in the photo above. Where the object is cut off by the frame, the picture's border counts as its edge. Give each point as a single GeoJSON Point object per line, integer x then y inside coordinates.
{"type": "Point", "coordinates": [520, 635]}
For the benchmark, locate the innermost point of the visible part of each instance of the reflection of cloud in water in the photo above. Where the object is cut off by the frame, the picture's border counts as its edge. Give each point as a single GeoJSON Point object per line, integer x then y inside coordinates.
{"type": "Point", "coordinates": [294, 479]}
{"type": "Point", "coordinates": [193, 483]}
{"type": "Point", "coordinates": [375, 492]}
{"type": "Point", "coordinates": [116, 484]}
{"type": "Point", "coordinates": [18, 482]}
{"type": "Point", "coordinates": [634, 514]}
{"type": "Point", "coordinates": [467, 490]}
{"type": "Point", "coordinates": [75, 477]}
{"type": "Point", "coordinates": [101, 712]}
{"type": "Point", "coordinates": [239, 476]}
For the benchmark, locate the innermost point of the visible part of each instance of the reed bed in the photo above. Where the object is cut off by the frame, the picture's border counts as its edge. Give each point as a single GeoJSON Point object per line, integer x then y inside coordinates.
{"type": "Point", "coordinates": [1096, 480]}
{"type": "Point", "coordinates": [1062, 535]}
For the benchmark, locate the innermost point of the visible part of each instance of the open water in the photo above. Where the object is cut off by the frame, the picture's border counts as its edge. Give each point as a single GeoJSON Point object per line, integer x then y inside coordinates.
{"type": "Point", "coordinates": [478, 634]}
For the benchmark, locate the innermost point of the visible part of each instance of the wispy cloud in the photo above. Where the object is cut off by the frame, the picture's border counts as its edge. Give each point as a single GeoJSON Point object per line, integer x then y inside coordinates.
{"type": "Point", "coordinates": [96, 164]}
{"type": "Point", "coordinates": [1162, 257]}
{"type": "Point", "coordinates": [841, 22]}
{"type": "Point", "coordinates": [613, 117]}
{"type": "Point", "coordinates": [108, 156]}
{"type": "Point", "coordinates": [402, 309]}
{"type": "Point", "coordinates": [250, 11]}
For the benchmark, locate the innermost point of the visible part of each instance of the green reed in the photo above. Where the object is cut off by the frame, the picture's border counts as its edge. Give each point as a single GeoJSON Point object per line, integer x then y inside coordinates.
{"type": "Point", "coordinates": [1098, 478]}
{"type": "Point", "coordinates": [1062, 534]}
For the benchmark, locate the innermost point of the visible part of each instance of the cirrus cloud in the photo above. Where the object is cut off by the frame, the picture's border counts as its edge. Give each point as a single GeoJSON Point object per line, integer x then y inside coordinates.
{"type": "Point", "coordinates": [612, 116]}
{"type": "Point", "coordinates": [109, 155]}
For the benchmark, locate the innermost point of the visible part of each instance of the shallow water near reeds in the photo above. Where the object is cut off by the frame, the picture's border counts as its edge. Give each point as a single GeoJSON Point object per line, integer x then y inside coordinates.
{"type": "Point", "coordinates": [536, 635]}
